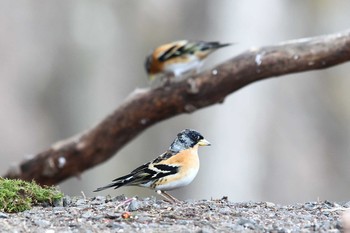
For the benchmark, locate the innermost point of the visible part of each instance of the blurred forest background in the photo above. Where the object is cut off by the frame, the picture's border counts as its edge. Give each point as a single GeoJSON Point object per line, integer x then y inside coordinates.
{"type": "Point", "coordinates": [65, 65]}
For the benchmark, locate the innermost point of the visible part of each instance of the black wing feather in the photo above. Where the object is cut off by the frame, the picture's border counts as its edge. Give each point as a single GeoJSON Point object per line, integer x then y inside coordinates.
{"type": "Point", "coordinates": [144, 173]}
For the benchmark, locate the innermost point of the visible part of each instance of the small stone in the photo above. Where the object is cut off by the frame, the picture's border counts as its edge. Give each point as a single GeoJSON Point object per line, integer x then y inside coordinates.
{"type": "Point", "coordinates": [270, 204]}
{"type": "Point", "coordinates": [58, 210]}
{"type": "Point", "coordinates": [58, 202]}
{"type": "Point", "coordinates": [80, 202]}
{"type": "Point", "coordinates": [115, 226]}
{"type": "Point", "coordinates": [134, 205]}
{"type": "Point", "coordinates": [45, 204]}
{"type": "Point", "coordinates": [42, 223]}
{"type": "Point", "coordinates": [87, 214]}
{"type": "Point", "coordinates": [190, 201]}
{"type": "Point", "coordinates": [347, 204]}
{"type": "Point", "coordinates": [119, 198]}
{"type": "Point", "coordinates": [50, 231]}
{"type": "Point", "coordinates": [126, 215]}
{"type": "Point", "coordinates": [212, 207]}
{"type": "Point", "coordinates": [247, 224]}
{"type": "Point", "coordinates": [156, 205]}
{"type": "Point", "coordinates": [225, 211]}
{"type": "Point", "coordinates": [98, 200]}
{"type": "Point", "coordinates": [224, 198]}
{"type": "Point", "coordinates": [66, 201]}
{"type": "Point", "coordinates": [183, 222]}
{"type": "Point", "coordinates": [311, 206]}
{"type": "Point", "coordinates": [3, 215]}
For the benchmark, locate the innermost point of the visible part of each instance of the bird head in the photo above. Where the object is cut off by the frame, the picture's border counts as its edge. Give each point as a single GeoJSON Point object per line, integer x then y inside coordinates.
{"type": "Point", "coordinates": [186, 139]}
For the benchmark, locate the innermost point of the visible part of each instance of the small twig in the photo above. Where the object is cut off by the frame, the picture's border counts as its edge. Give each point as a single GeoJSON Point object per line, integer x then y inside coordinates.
{"type": "Point", "coordinates": [83, 194]}
{"type": "Point", "coordinates": [125, 203]}
{"type": "Point", "coordinates": [335, 209]}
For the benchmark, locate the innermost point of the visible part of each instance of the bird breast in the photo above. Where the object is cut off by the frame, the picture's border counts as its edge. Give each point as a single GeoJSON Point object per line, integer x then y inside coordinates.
{"type": "Point", "coordinates": [189, 165]}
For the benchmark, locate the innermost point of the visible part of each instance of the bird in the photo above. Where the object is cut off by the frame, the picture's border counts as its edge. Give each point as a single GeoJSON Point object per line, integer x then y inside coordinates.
{"type": "Point", "coordinates": [175, 168]}
{"type": "Point", "coordinates": [178, 58]}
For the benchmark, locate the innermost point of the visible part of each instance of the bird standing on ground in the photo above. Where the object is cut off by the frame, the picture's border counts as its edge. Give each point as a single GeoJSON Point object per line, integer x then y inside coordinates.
{"type": "Point", "coordinates": [175, 168]}
{"type": "Point", "coordinates": [179, 57]}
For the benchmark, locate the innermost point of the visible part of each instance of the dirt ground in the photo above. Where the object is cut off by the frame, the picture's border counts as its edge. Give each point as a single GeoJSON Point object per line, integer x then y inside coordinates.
{"type": "Point", "coordinates": [119, 214]}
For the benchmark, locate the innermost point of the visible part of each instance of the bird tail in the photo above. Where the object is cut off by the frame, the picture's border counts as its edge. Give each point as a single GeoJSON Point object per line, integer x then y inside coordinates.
{"type": "Point", "coordinates": [116, 185]}
{"type": "Point", "coordinates": [214, 45]}
{"type": "Point", "coordinates": [121, 181]}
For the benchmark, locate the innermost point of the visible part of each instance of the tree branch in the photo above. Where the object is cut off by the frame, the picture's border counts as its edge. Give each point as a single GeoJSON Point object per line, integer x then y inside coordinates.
{"type": "Point", "coordinates": [146, 107]}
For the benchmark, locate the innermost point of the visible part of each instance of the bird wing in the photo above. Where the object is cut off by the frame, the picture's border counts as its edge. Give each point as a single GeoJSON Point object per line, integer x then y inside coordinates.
{"type": "Point", "coordinates": [145, 173]}
{"type": "Point", "coordinates": [177, 50]}
{"type": "Point", "coordinates": [184, 47]}
{"type": "Point", "coordinates": [149, 171]}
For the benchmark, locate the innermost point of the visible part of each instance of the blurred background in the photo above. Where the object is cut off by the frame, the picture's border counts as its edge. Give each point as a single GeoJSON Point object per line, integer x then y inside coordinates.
{"type": "Point", "coordinates": [65, 65]}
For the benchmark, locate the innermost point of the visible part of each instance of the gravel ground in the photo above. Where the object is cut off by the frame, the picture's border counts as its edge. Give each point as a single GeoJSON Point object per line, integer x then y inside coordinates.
{"type": "Point", "coordinates": [104, 214]}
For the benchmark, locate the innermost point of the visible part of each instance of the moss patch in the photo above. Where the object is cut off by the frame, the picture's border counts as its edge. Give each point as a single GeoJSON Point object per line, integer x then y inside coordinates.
{"type": "Point", "coordinates": [19, 195]}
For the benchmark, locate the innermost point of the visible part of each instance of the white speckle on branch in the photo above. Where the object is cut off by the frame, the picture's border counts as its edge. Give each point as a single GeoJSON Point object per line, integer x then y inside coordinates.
{"type": "Point", "coordinates": [258, 59]}
{"type": "Point", "coordinates": [296, 57]}
{"type": "Point", "coordinates": [61, 162]}
{"type": "Point", "coordinates": [190, 108]}
{"type": "Point", "coordinates": [49, 167]}
{"type": "Point", "coordinates": [143, 121]}
{"type": "Point", "coordinates": [193, 86]}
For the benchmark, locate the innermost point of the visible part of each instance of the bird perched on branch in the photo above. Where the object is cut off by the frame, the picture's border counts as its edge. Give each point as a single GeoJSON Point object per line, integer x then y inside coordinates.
{"type": "Point", "coordinates": [178, 58]}
{"type": "Point", "coordinates": [175, 168]}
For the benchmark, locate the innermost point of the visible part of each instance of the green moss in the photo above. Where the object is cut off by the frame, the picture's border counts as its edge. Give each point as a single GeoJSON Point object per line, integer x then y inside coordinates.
{"type": "Point", "coordinates": [19, 195]}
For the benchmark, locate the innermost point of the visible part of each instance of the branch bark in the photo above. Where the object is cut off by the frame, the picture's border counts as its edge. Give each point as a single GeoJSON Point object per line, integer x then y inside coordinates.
{"type": "Point", "coordinates": [146, 107]}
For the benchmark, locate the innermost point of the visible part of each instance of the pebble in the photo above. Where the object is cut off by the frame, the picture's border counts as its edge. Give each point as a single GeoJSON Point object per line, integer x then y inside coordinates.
{"type": "Point", "coordinates": [50, 231]}
{"type": "Point", "coordinates": [66, 201]}
{"type": "Point", "coordinates": [270, 204]}
{"type": "Point", "coordinates": [134, 205]}
{"type": "Point", "coordinates": [87, 214]}
{"type": "Point", "coordinates": [3, 215]}
{"type": "Point", "coordinates": [98, 200]}
{"type": "Point", "coordinates": [247, 224]}
{"type": "Point", "coordinates": [58, 210]}
{"type": "Point", "coordinates": [225, 211]}
{"type": "Point", "coordinates": [347, 204]}
{"type": "Point", "coordinates": [115, 226]}
{"type": "Point", "coordinates": [58, 202]}
{"type": "Point", "coordinates": [42, 223]}
{"type": "Point", "coordinates": [119, 198]}
{"type": "Point", "coordinates": [80, 202]}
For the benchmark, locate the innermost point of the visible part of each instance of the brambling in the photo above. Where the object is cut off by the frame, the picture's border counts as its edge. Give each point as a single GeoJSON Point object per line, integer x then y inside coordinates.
{"type": "Point", "coordinates": [175, 168]}
{"type": "Point", "coordinates": [178, 58]}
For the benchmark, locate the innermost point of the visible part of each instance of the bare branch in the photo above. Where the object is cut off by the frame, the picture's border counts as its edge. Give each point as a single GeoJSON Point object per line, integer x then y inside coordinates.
{"type": "Point", "coordinates": [146, 107]}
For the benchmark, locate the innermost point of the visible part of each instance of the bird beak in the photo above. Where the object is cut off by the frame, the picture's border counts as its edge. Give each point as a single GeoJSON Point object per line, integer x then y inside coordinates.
{"type": "Point", "coordinates": [203, 142]}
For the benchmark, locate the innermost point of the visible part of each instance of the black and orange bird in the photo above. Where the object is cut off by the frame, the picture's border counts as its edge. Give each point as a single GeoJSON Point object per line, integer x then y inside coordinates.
{"type": "Point", "coordinates": [175, 168]}
{"type": "Point", "coordinates": [179, 57]}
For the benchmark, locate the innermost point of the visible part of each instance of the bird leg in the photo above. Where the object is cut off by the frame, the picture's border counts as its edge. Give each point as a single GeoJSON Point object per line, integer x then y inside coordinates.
{"type": "Point", "coordinates": [167, 196]}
